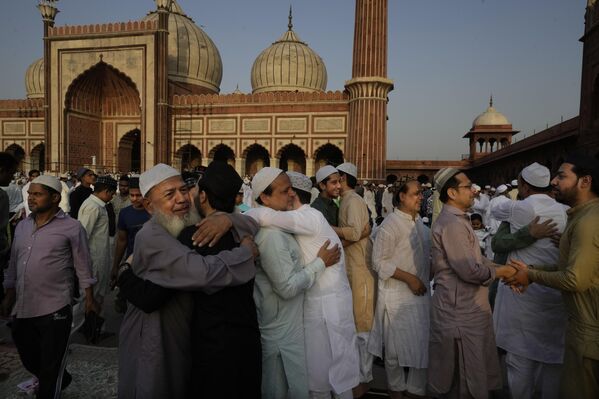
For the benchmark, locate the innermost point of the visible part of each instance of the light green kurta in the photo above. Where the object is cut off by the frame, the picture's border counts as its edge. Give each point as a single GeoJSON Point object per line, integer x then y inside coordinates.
{"type": "Point", "coordinates": [281, 280]}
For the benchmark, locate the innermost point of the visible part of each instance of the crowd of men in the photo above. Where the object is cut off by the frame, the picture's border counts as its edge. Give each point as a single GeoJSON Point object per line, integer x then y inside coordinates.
{"type": "Point", "coordinates": [287, 286]}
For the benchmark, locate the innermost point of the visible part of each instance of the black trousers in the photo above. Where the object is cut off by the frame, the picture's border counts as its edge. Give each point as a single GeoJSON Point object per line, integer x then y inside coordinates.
{"type": "Point", "coordinates": [41, 342]}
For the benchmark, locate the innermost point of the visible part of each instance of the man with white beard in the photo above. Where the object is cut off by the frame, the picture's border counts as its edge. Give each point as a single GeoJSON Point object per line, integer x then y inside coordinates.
{"type": "Point", "coordinates": [330, 333]}
{"type": "Point", "coordinates": [154, 352]}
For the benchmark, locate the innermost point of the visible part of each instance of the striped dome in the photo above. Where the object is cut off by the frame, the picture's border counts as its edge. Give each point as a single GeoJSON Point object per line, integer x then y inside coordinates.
{"type": "Point", "coordinates": [34, 79]}
{"type": "Point", "coordinates": [192, 56]}
{"type": "Point", "coordinates": [289, 65]}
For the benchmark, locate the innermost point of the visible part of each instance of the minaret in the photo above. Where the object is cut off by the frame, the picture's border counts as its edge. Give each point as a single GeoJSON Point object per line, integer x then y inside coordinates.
{"type": "Point", "coordinates": [589, 87]}
{"type": "Point", "coordinates": [48, 11]}
{"type": "Point", "coordinates": [368, 89]}
{"type": "Point", "coordinates": [161, 146]}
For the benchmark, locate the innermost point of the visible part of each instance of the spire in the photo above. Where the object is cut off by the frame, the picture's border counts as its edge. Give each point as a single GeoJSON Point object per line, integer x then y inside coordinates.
{"type": "Point", "coordinates": [491, 101]}
{"type": "Point", "coordinates": [290, 24]}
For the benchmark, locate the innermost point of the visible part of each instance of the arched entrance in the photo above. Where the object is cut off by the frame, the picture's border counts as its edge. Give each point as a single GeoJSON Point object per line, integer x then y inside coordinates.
{"type": "Point", "coordinates": [291, 157]}
{"type": "Point", "coordinates": [223, 153]}
{"type": "Point", "coordinates": [327, 154]}
{"type": "Point", "coordinates": [129, 155]}
{"type": "Point", "coordinates": [256, 157]}
{"type": "Point", "coordinates": [96, 102]}
{"type": "Point", "coordinates": [38, 157]}
{"type": "Point", "coordinates": [18, 152]}
{"type": "Point", "coordinates": [187, 158]}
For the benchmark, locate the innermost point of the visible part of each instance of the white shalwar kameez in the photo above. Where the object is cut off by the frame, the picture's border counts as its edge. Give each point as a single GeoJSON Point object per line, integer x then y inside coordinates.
{"type": "Point", "coordinates": [401, 321]}
{"type": "Point", "coordinates": [330, 334]}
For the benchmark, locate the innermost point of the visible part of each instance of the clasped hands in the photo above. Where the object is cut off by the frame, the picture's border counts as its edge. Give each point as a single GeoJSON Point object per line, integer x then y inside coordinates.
{"type": "Point", "coordinates": [518, 281]}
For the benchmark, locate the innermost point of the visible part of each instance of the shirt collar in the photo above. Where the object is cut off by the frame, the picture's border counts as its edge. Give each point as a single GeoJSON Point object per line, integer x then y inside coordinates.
{"type": "Point", "coordinates": [97, 200]}
{"type": "Point", "coordinates": [573, 211]}
{"type": "Point", "coordinates": [326, 200]}
{"type": "Point", "coordinates": [453, 210]}
{"type": "Point", "coordinates": [404, 215]}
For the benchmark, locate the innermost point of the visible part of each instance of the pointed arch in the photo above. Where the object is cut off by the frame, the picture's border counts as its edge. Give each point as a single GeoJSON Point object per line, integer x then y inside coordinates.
{"type": "Point", "coordinates": [256, 157]}
{"type": "Point", "coordinates": [223, 153]}
{"type": "Point", "coordinates": [292, 157]}
{"type": "Point", "coordinates": [187, 158]}
{"type": "Point", "coordinates": [327, 154]}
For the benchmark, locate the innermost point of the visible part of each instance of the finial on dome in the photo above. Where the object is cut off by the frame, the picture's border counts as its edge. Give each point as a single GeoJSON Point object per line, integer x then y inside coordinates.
{"type": "Point", "coordinates": [290, 24]}
{"type": "Point", "coordinates": [491, 101]}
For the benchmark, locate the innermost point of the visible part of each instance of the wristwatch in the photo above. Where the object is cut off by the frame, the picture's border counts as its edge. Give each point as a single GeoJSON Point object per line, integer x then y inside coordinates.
{"type": "Point", "coordinates": [124, 266]}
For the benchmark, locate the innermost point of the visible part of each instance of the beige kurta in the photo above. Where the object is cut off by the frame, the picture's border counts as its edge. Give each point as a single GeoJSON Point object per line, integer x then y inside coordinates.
{"type": "Point", "coordinates": [353, 216]}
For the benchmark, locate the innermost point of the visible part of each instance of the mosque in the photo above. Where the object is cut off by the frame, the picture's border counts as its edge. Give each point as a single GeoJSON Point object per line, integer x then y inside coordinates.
{"type": "Point", "coordinates": [124, 96]}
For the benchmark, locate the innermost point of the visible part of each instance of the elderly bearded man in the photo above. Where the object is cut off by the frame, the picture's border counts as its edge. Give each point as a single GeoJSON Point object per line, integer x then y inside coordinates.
{"type": "Point", "coordinates": [463, 358]}
{"type": "Point", "coordinates": [331, 347]}
{"type": "Point", "coordinates": [155, 350]}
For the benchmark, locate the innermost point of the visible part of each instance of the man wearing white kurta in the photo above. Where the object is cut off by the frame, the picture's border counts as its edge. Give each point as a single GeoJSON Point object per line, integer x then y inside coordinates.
{"type": "Point", "coordinates": [94, 218]}
{"type": "Point", "coordinates": [531, 326]}
{"type": "Point", "coordinates": [387, 201]}
{"type": "Point", "coordinates": [401, 257]}
{"type": "Point", "coordinates": [281, 279]}
{"type": "Point", "coordinates": [330, 333]}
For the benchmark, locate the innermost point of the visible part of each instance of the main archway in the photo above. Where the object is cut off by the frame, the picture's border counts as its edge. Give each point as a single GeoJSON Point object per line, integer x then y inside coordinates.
{"type": "Point", "coordinates": [187, 158]}
{"type": "Point", "coordinates": [327, 154]}
{"type": "Point", "coordinates": [96, 103]}
{"type": "Point", "coordinates": [293, 158]}
{"type": "Point", "coordinates": [256, 157]}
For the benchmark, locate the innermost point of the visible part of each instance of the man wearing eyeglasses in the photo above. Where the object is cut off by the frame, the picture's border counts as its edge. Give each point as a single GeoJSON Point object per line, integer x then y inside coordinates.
{"type": "Point", "coordinates": [463, 358]}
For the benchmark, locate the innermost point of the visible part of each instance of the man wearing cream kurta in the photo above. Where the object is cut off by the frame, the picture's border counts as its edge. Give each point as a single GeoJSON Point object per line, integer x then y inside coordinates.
{"type": "Point", "coordinates": [401, 257]}
{"type": "Point", "coordinates": [330, 333]}
{"type": "Point", "coordinates": [353, 222]}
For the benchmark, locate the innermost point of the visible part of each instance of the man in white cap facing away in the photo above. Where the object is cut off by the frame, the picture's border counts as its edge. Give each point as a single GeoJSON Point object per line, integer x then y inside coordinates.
{"type": "Point", "coordinates": [481, 202]}
{"type": "Point", "coordinates": [327, 179]}
{"type": "Point", "coordinates": [330, 334]}
{"type": "Point", "coordinates": [387, 200]}
{"type": "Point", "coordinates": [49, 249]}
{"type": "Point", "coordinates": [530, 326]}
{"type": "Point", "coordinates": [514, 191]}
{"type": "Point", "coordinates": [354, 229]}
{"type": "Point", "coordinates": [155, 348]}
{"type": "Point", "coordinates": [282, 277]}
{"type": "Point", "coordinates": [463, 358]}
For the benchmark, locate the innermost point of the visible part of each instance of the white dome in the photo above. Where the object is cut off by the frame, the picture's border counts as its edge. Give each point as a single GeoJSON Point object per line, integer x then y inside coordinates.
{"type": "Point", "coordinates": [288, 65]}
{"type": "Point", "coordinates": [490, 117]}
{"type": "Point", "coordinates": [192, 56]}
{"type": "Point", "coordinates": [34, 79]}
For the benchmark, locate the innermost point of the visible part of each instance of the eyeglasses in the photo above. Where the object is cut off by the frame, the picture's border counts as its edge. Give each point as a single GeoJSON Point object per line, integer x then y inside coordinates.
{"type": "Point", "coordinates": [468, 186]}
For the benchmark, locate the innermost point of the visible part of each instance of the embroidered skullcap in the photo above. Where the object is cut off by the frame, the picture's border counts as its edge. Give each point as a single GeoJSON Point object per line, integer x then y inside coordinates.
{"type": "Point", "coordinates": [300, 181]}
{"type": "Point", "coordinates": [48, 181]}
{"type": "Point", "coordinates": [349, 168]}
{"type": "Point", "coordinates": [442, 177]}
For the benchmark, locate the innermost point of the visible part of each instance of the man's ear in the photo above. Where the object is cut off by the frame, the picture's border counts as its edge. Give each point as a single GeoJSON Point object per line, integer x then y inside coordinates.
{"type": "Point", "coordinates": [148, 205]}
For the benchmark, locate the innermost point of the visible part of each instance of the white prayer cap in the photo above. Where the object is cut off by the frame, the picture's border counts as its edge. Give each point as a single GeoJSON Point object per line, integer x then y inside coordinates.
{"type": "Point", "coordinates": [536, 175]}
{"type": "Point", "coordinates": [514, 183]}
{"type": "Point", "coordinates": [365, 182]}
{"type": "Point", "coordinates": [262, 180]}
{"type": "Point", "coordinates": [425, 220]}
{"type": "Point", "coordinates": [155, 176]}
{"type": "Point", "coordinates": [381, 186]}
{"type": "Point", "coordinates": [325, 172]}
{"type": "Point", "coordinates": [442, 177]}
{"type": "Point", "coordinates": [348, 168]}
{"type": "Point", "coordinates": [493, 189]}
{"type": "Point", "coordinates": [501, 189]}
{"type": "Point", "coordinates": [389, 185]}
{"type": "Point", "coordinates": [487, 187]}
{"type": "Point", "coordinates": [300, 181]}
{"type": "Point", "coordinates": [476, 187]}
{"type": "Point", "coordinates": [48, 181]}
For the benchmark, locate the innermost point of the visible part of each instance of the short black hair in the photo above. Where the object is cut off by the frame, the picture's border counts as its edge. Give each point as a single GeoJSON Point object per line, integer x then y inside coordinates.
{"type": "Point", "coordinates": [351, 181]}
{"type": "Point", "coordinates": [220, 204]}
{"type": "Point", "coordinates": [585, 165]}
{"type": "Point", "coordinates": [476, 216]}
{"type": "Point", "coordinates": [124, 178]}
{"type": "Point", "coordinates": [451, 183]}
{"type": "Point", "coordinates": [33, 171]}
{"type": "Point", "coordinates": [303, 196]}
{"type": "Point", "coordinates": [99, 187]}
{"type": "Point", "coordinates": [402, 188]}
{"type": "Point", "coordinates": [8, 161]}
{"type": "Point", "coordinates": [266, 191]}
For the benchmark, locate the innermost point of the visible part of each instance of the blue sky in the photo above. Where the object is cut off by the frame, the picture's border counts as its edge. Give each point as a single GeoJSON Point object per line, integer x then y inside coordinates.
{"type": "Point", "coordinates": [445, 56]}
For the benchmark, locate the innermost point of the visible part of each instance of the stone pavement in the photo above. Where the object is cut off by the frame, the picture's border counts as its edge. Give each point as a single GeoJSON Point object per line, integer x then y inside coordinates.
{"type": "Point", "coordinates": [94, 367]}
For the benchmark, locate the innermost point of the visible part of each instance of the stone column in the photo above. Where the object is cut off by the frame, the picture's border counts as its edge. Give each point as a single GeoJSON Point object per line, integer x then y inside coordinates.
{"type": "Point", "coordinates": [309, 167]}
{"type": "Point", "coordinates": [240, 166]}
{"type": "Point", "coordinates": [368, 89]}
{"type": "Point", "coordinates": [161, 128]}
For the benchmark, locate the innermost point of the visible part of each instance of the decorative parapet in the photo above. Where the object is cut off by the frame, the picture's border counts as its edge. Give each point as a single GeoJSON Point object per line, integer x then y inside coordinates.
{"type": "Point", "coordinates": [103, 29]}
{"type": "Point", "coordinates": [22, 108]}
{"type": "Point", "coordinates": [260, 98]}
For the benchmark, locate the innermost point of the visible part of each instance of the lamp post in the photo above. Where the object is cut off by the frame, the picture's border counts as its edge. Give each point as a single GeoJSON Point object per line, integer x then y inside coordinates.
{"type": "Point", "coordinates": [48, 11]}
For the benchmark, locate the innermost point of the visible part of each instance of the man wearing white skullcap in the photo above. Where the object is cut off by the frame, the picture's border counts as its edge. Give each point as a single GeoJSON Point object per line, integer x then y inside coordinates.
{"type": "Point", "coordinates": [481, 202]}
{"type": "Point", "coordinates": [492, 224]}
{"type": "Point", "coordinates": [330, 334]}
{"type": "Point", "coordinates": [513, 194]}
{"type": "Point", "coordinates": [530, 326]}
{"type": "Point", "coordinates": [281, 280]}
{"type": "Point", "coordinates": [49, 249]}
{"type": "Point", "coordinates": [463, 359]}
{"type": "Point", "coordinates": [327, 179]}
{"type": "Point", "coordinates": [155, 346]}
